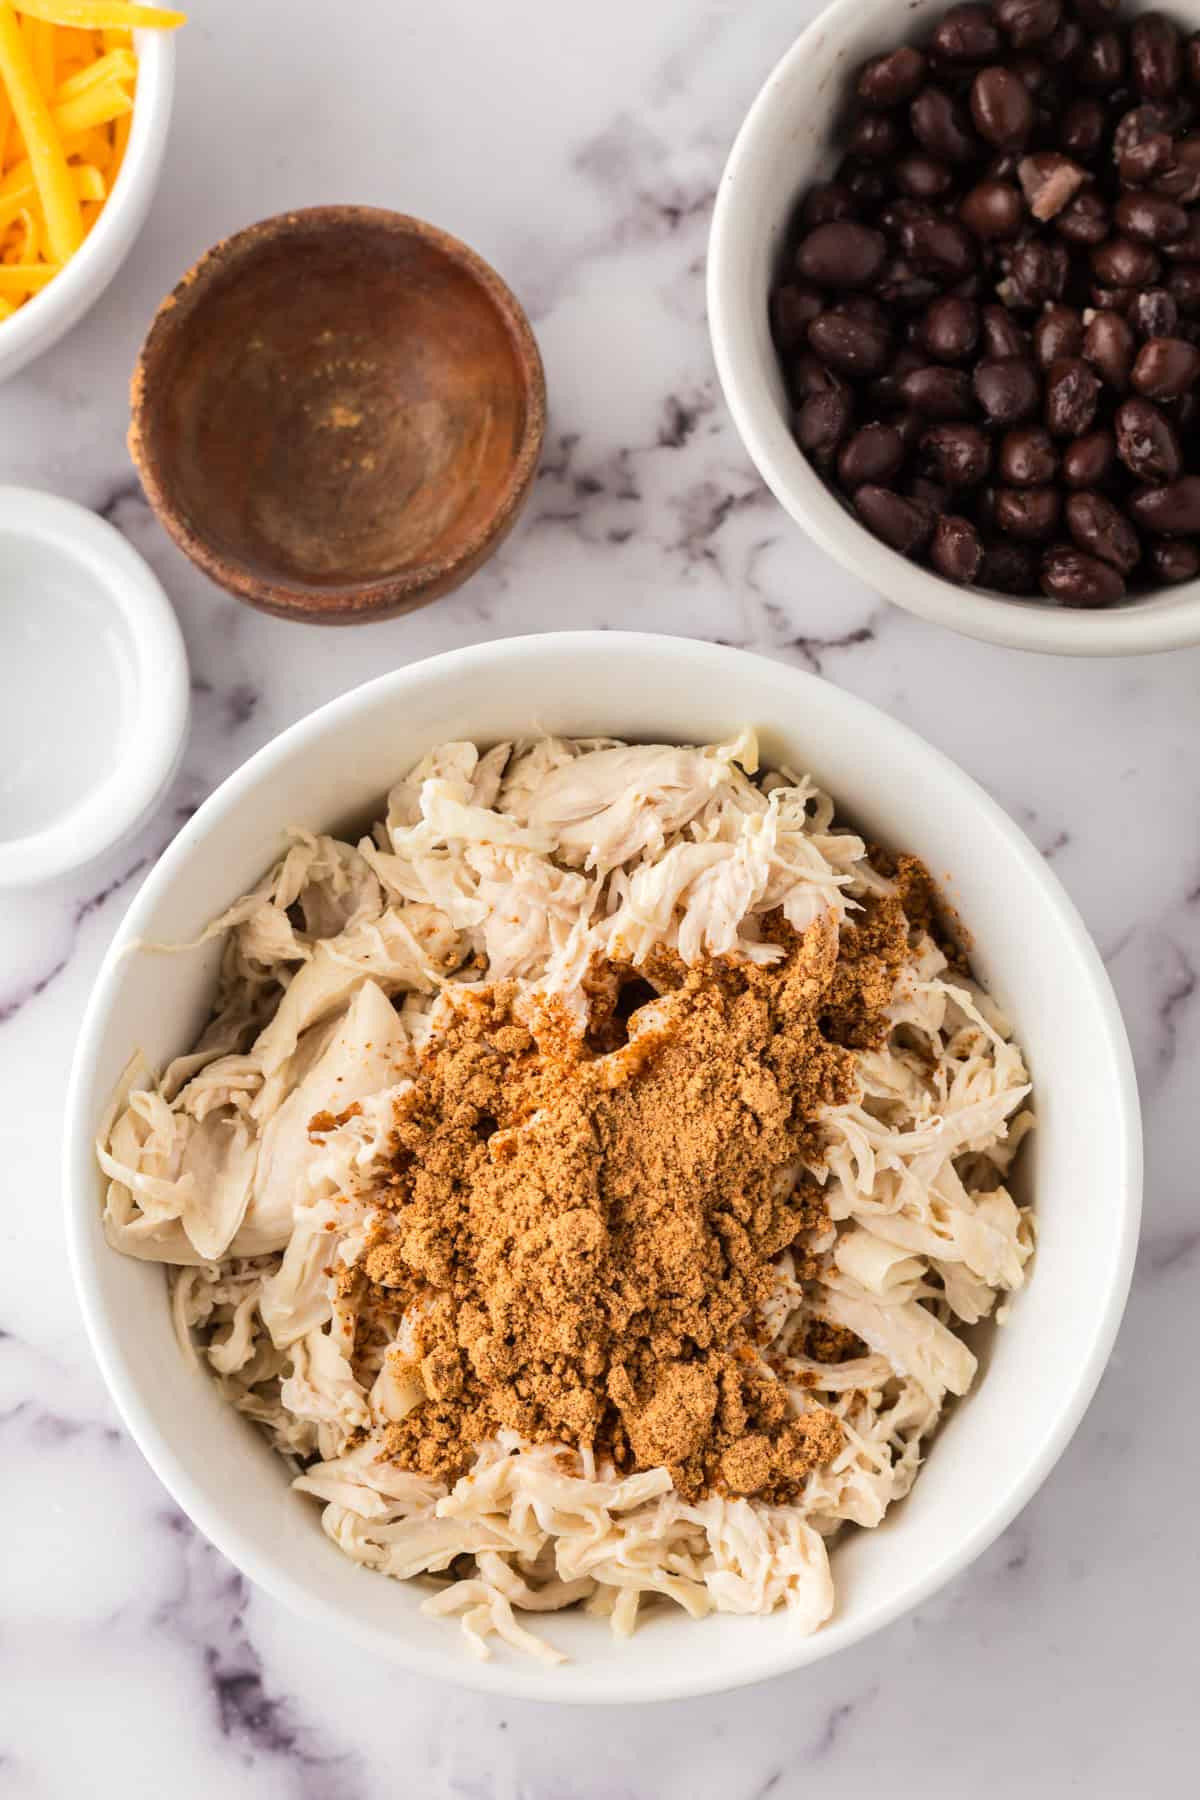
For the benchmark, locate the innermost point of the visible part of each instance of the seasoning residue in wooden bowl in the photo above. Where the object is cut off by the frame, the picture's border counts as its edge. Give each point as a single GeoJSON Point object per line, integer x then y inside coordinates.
{"type": "Point", "coordinates": [338, 413]}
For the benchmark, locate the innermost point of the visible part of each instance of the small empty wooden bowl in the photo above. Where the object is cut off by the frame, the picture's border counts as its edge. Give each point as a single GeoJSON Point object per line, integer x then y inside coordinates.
{"type": "Point", "coordinates": [338, 413]}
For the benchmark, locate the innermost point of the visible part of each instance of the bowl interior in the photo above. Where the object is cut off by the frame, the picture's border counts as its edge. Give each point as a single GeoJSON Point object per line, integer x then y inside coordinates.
{"type": "Point", "coordinates": [67, 652]}
{"type": "Point", "coordinates": [787, 142]}
{"type": "Point", "coordinates": [1083, 1161]}
{"type": "Point", "coordinates": [335, 399]}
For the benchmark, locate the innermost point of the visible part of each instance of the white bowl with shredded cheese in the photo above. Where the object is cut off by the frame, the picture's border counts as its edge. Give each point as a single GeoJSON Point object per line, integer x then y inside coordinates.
{"type": "Point", "coordinates": [1080, 1169]}
{"type": "Point", "coordinates": [47, 315]}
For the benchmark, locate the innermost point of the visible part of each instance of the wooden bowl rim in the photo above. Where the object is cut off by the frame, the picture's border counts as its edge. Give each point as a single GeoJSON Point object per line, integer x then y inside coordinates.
{"type": "Point", "coordinates": [385, 595]}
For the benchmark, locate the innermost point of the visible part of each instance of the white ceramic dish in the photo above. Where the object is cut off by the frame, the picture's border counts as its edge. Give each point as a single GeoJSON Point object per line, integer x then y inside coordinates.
{"type": "Point", "coordinates": [783, 146]}
{"type": "Point", "coordinates": [94, 685]}
{"type": "Point", "coordinates": [331, 771]}
{"type": "Point", "coordinates": [48, 316]}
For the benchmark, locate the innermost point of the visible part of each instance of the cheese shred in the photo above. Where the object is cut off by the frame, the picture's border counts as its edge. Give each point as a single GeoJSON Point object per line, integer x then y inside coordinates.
{"type": "Point", "coordinates": [68, 79]}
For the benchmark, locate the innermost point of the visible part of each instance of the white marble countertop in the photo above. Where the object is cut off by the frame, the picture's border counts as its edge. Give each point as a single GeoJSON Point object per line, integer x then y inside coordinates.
{"type": "Point", "coordinates": [579, 150]}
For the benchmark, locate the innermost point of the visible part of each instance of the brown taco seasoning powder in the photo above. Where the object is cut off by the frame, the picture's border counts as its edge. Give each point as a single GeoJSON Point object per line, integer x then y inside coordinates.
{"type": "Point", "coordinates": [585, 1227]}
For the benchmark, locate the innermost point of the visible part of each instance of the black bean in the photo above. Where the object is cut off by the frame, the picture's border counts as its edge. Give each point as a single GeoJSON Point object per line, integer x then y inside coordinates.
{"type": "Point", "coordinates": [1187, 248]}
{"type": "Point", "coordinates": [1027, 457]}
{"type": "Point", "coordinates": [957, 454]}
{"type": "Point", "coordinates": [890, 80]}
{"type": "Point", "coordinates": [1058, 332]}
{"type": "Point", "coordinates": [992, 209]}
{"type": "Point", "coordinates": [1183, 285]}
{"type": "Point", "coordinates": [1102, 64]}
{"type": "Point", "coordinates": [821, 423]}
{"type": "Point", "coordinates": [922, 176]}
{"type": "Point", "coordinates": [1185, 412]}
{"type": "Point", "coordinates": [1171, 511]}
{"type": "Point", "coordinates": [933, 494]}
{"type": "Point", "coordinates": [1089, 460]}
{"type": "Point", "coordinates": [1040, 81]}
{"type": "Point", "coordinates": [966, 34]}
{"type": "Point", "coordinates": [841, 255]}
{"type": "Point", "coordinates": [793, 309]}
{"type": "Point", "coordinates": [1151, 217]}
{"type": "Point", "coordinates": [904, 524]}
{"type": "Point", "coordinates": [938, 393]}
{"type": "Point", "coordinates": [903, 210]}
{"type": "Point", "coordinates": [1082, 129]}
{"type": "Point", "coordinates": [874, 453]}
{"type": "Point", "coordinates": [855, 347]}
{"type": "Point", "coordinates": [1144, 161]}
{"type": "Point", "coordinates": [1112, 299]}
{"type": "Point", "coordinates": [875, 138]}
{"type": "Point", "coordinates": [1085, 220]}
{"type": "Point", "coordinates": [1156, 56]}
{"type": "Point", "coordinates": [1002, 336]}
{"type": "Point", "coordinates": [1030, 514]}
{"type": "Point", "coordinates": [807, 375]}
{"type": "Point", "coordinates": [941, 127]}
{"type": "Point", "coordinates": [886, 394]}
{"type": "Point", "coordinates": [1049, 181]}
{"type": "Point", "coordinates": [1137, 141]}
{"type": "Point", "coordinates": [1009, 568]}
{"type": "Point", "coordinates": [1001, 108]}
{"type": "Point", "coordinates": [1026, 22]}
{"type": "Point", "coordinates": [1154, 313]}
{"type": "Point", "coordinates": [956, 551]}
{"type": "Point", "coordinates": [1076, 579]}
{"type": "Point", "coordinates": [1192, 59]}
{"type": "Point", "coordinates": [1166, 367]}
{"type": "Point", "coordinates": [949, 330]}
{"type": "Point", "coordinates": [1174, 559]}
{"type": "Point", "coordinates": [1123, 262]}
{"type": "Point", "coordinates": [1146, 442]}
{"type": "Point", "coordinates": [940, 247]}
{"type": "Point", "coordinates": [1108, 344]}
{"type": "Point", "coordinates": [865, 307]}
{"type": "Point", "coordinates": [1098, 527]}
{"type": "Point", "coordinates": [1038, 271]}
{"type": "Point", "coordinates": [1181, 181]}
{"type": "Point", "coordinates": [867, 183]}
{"type": "Point", "coordinates": [826, 204]}
{"type": "Point", "coordinates": [901, 286]}
{"type": "Point", "coordinates": [1072, 395]}
{"type": "Point", "coordinates": [1008, 389]}
{"type": "Point", "coordinates": [1096, 13]}
{"type": "Point", "coordinates": [1064, 43]}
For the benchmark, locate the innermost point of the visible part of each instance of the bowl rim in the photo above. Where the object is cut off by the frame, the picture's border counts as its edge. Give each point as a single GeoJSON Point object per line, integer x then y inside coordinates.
{"type": "Point", "coordinates": [152, 741]}
{"type": "Point", "coordinates": [570, 1683]}
{"type": "Point", "coordinates": [46, 316]}
{"type": "Point", "coordinates": [385, 595]}
{"type": "Point", "coordinates": [1167, 619]}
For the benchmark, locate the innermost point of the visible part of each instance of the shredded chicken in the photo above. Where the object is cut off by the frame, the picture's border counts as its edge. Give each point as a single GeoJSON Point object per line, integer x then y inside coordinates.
{"type": "Point", "coordinates": [528, 863]}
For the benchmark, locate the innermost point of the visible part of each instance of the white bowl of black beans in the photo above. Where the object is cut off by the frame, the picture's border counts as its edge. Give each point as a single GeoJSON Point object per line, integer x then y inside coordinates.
{"type": "Point", "coordinates": [954, 296]}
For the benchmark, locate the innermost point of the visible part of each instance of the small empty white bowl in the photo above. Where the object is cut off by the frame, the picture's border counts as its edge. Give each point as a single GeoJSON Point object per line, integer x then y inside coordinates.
{"type": "Point", "coordinates": [48, 316]}
{"type": "Point", "coordinates": [93, 687]}
{"type": "Point", "coordinates": [786, 143]}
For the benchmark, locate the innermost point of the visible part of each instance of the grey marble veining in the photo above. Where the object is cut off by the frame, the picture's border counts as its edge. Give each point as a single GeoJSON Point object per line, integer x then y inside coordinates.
{"type": "Point", "coordinates": [580, 149]}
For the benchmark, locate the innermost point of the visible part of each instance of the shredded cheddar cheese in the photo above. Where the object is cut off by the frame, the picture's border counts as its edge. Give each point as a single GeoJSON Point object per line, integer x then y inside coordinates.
{"type": "Point", "coordinates": [68, 75]}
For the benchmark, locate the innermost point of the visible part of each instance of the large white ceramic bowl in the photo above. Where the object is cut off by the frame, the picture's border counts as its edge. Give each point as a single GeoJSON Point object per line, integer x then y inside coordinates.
{"type": "Point", "coordinates": [48, 316]}
{"type": "Point", "coordinates": [786, 143]}
{"type": "Point", "coordinates": [1083, 1164]}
